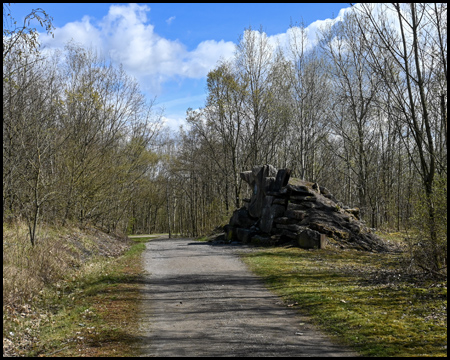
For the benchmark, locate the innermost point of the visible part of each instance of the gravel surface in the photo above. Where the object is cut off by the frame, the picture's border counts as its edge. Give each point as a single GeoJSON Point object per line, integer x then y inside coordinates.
{"type": "Point", "coordinates": [201, 300]}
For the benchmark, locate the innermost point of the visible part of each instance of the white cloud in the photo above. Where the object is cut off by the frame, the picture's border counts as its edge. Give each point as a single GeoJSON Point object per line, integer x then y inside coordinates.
{"type": "Point", "coordinates": [126, 35]}
{"type": "Point", "coordinates": [175, 110]}
{"type": "Point", "coordinates": [174, 122]}
{"type": "Point", "coordinates": [127, 38]}
{"type": "Point", "coordinates": [311, 33]}
{"type": "Point", "coordinates": [81, 31]}
{"type": "Point", "coordinates": [204, 58]}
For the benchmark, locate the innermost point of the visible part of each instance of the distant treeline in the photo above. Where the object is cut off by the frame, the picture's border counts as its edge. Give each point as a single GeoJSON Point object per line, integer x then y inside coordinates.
{"type": "Point", "coordinates": [364, 112]}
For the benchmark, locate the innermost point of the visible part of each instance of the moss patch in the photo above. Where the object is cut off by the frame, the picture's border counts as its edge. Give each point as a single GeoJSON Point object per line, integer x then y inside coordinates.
{"type": "Point", "coordinates": [362, 299]}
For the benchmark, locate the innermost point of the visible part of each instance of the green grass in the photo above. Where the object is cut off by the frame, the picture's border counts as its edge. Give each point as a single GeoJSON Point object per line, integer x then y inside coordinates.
{"type": "Point", "coordinates": [92, 313]}
{"type": "Point", "coordinates": [202, 238]}
{"type": "Point", "coordinates": [145, 237]}
{"type": "Point", "coordinates": [359, 298]}
{"type": "Point", "coordinates": [104, 316]}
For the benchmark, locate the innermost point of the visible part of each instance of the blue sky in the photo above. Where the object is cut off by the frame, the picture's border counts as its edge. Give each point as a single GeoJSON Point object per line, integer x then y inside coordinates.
{"type": "Point", "coordinates": [170, 48]}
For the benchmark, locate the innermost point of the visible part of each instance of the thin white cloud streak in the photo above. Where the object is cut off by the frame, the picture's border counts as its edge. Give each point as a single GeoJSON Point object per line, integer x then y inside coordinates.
{"type": "Point", "coordinates": [183, 101]}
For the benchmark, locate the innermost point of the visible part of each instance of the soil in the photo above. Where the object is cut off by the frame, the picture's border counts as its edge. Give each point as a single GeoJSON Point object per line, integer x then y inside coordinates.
{"type": "Point", "coordinates": [200, 299]}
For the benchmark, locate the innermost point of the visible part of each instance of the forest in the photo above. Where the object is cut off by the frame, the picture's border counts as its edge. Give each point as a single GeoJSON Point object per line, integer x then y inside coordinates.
{"type": "Point", "coordinates": [363, 113]}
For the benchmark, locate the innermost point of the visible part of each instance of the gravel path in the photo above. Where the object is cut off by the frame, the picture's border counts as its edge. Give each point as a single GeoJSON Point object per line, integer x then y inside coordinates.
{"type": "Point", "coordinates": [201, 300]}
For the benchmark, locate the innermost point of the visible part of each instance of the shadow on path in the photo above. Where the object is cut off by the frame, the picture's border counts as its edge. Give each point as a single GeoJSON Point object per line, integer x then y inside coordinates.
{"type": "Point", "coordinates": [201, 300]}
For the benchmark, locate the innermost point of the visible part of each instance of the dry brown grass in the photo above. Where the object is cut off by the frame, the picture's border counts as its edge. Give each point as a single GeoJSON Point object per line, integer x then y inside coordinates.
{"type": "Point", "coordinates": [40, 283]}
{"type": "Point", "coordinates": [27, 269]}
{"type": "Point", "coordinates": [58, 251]}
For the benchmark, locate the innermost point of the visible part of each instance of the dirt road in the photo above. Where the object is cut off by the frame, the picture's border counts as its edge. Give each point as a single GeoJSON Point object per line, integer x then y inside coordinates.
{"type": "Point", "coordinates": [201, 300]}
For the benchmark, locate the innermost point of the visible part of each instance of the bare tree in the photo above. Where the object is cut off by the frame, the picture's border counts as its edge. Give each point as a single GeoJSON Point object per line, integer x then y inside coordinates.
{"type": "Point", "coordinates": [254, 59]}
{"type": "Point", "coordinates": [413, 67]}
{"type": "Point", "coordinates": [29, 147]}
{"type": "Point", "coordinates": [23, 36]}
{"type": "Point", "coordinates": [356, 93]}
{"type": "Point", "coordinates": [311, 95]}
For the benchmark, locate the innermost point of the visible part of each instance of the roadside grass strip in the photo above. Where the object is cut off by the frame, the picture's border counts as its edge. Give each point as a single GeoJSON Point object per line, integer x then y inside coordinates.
{"type": "Point", "coordinates": [92, 313]}
{"type": "Point", "coordinates": [363, 300]}
{"type": "Point", "coordinates": [102, 318]}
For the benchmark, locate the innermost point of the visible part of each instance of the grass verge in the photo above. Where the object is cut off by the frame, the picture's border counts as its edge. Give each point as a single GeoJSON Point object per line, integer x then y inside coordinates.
{"type": "Point", "coordinates": [92, 312]}
{"type": "Point", "coordinates": [101, 318]}
{"type": "Point", "coordinates": [363, 300]}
